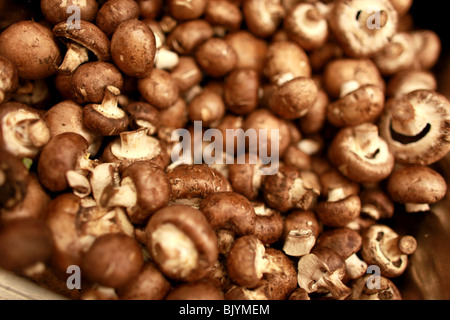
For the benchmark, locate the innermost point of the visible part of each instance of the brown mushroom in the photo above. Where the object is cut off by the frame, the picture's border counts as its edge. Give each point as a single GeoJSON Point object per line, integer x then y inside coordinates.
{"type": "Point", "coordinates": [417, 187]}
{"type": "Point", "coordinates": [186, 73]}
{"type": "Point", "coordinates": [428, 48]}
{"type": "Point", "coordinates": [32, 48]}
{"type": "Point", "coordinates": [181, 242]}
{"type": "Point", "coordinates": [268, 224]}
{"type": "Point", "coordinates": [186, 9]}
{"type": "Point", "coordinates": [114, 12]}
{"type": "Point", "coordinates": [383, 247]}
{"type": "Point", "coordinates": [159, 89]}
{"type": "Point", "coordinates": [187, 36]}
{"type": "Point", "coordinates": [56, 11]}
{"type": "Point", "coordinates": [241, 91]}
{"type": "Point", "coordinates": [113, 260]}
{"type": "Point", "coordinates": [360, 154]}
{"type": "Point", "coordinates": [387, 289]}
{"type": "Point", "coordinates": [415, 126]}
{"type": "Point", "coordinates": [376, 204]}
{"type": "Point", "coordinates": [300, 232]}
{"type": "Point", "coordinates": [9, 79]}
{"type": "Point", "coordinates": [410, 80]}
{"type": "Point", "coordinates": [216, 57]}
{"type": "Point", "coordinates": [80, 41]}
{"type": "Point", "coordinates": [223, 15]}
{"type": "Point", "coordinates": [262, 17]}
{"type": "Point", "coordinates": [14, 180]}
{"type": "Point", "coordinates": [207, 107]}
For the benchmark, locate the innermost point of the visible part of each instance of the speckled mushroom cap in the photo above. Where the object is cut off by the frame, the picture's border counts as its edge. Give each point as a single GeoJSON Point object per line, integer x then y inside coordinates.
{"type": "Point", "coordinates": [416, 184]}
{"type": "Point", "coordinates": [88, 35]}
{"type": "Point", "coordinates": [416, 127]}
{"type": "Point", "coordinates": [363, 27]}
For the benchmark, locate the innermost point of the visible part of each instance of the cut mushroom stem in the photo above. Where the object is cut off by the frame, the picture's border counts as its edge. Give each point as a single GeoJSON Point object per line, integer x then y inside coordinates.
{"type": "Point", "coordinates": [349, 86]}
{"type": "Point", "coordinates": [225, 240]}
{"type": "Point", "coordinates": [406, 121]}
{"type": "Point", "coordinates": [417, 207]}
{"type": "Point", "coordinates": [132, 141]}
{"type": "Point", "coordinates": [400, 245]}
{"type": "Point", "coordinates": [123, 196]}
{"type": "Point", "coordinates": [75, 56]}
{"type": "Point", "coordinates": [366, 138]}
{"type": "Point", "coordinates": [103, 176]}
{"type": "Point", "coordinates": [299, 242]}
{"type": "Point", "coordinates": [32, 132]}
{"type": "Point", "coordinates": [355, 267]}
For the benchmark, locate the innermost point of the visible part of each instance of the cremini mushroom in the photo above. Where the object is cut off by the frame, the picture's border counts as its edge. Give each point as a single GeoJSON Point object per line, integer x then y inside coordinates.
{"type": "Point", "coordinates": [112, 13]}
{"type": "Point", "coordinates": [300, 232]}
{"type": "Point", "coordinates": [9, 79]}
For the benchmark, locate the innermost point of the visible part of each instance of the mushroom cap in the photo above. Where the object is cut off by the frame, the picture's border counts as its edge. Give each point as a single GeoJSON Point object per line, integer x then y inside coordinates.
{"type": "Point", "coordinates": [88, 35]}
{"type": "Point", "coordinates": [90, 80]}
{"type": "Point", "coordinates": [159, 89]}
{"type": "Point", "coordinates": [268, 224]}
{"type": "Point", "coordinates": [241, 90]}
{"type": "Point", "coordinates": [186, 9]}
{"type": "Point", "coordinates": [56, 11]}
{"type": "Point", "coordinates": [193, 224]}
{"type": "Point", "coordinates": [23, 243]}
{"type": "Point", "coordinates": [410, 80]}
{"type": "Point", "coordinates": [344, 241]}
{"type": "Point", "coordinates": [150, 284]}
{"type": "Point", "coordinates": [114, 12]}
{"type": "Point", "coordinates": [142, 114]}
{"type": "Point", "coordinates": [58, 156]}
{"type": "Point", "coordinates": [416, 184]}
{"type": "Point", "coordinates": [216, 57]}
{"type": "Point", "coordinates": [32, 48]}
{"type": "Point", "coordinates": [363, 38]}
{"type": "Point", "coordinates": [196, 181]}
{"type": "Point", "coordinates": [339, 213]}
{"type": "Point", "coordinates": [152, 189]}
{"type": "Point", "coordinates": [9, 78]}
{"type": "Point", "coordinates": [365, 104]}
{"type": "Point", "coordinates": [354, 162]}
{"type": "Point", "coordinates": [388, 290]}
{"type": "Point", "coordinates": [133, 48]}
{"type": "Point", "coordinates": [428, 118]}
{"type": "Point", "coordinates": [229, 210]}
{"type": "Point", "coordinates": [262, 17]}
{"type": "Point", "coordinates": [187, 36]}
{"type": "Point", "coordinates": [300, 219]}
{"type": "Point", "coordinates": [14, 182]}
{"type": "Point", "coordinates": [113, 260]}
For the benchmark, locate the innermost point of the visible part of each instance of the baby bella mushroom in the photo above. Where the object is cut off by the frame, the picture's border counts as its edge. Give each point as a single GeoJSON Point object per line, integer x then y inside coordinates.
{"type": "Point", "coordinates": [417, 187]}
{"type": "Point", "coordinates": [181, 243]}
{"type": "Point", "coordinates": [300, 232]}
{"type": "Point", "coordinates": [360, 154]}
{"type": "Point", "coordinates": [9, 79]}
{"type": "Point", "coordinates": [383, 247]}
{"type": "Point", "coordinates": [416, 127]}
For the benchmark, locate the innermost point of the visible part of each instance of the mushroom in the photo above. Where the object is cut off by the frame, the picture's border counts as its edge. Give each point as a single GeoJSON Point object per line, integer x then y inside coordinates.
{"type": "Point", "coordinates": [67, 116]}
{"type": "Point", "coordinates": [9, 79]}
{"type": "Point", "coordinates": [23, 132]}
{"type": "Point", "coordinates": [187, 36]}
{"type": "Point", "coordinates": [144, 189]}
{"type": "Point", "coordinates": [410, 80]}
{"type": "Point", "coordinates": [290, 189]}
{"type": "Point", "coordinates": [107, 118]}
{"type": "Point", "coordinates": [384, 248]}
{"type": "Point", "coordinates": [159, 89]}
{"type": "Point", "coordinates": [250, 50]}
{"type": "Point", "coordinates": [314, 120]}
{"type": "Point", "coordinates": [134, 146]}
{"type": "Point", "coordinates": [56, 11]}
{"type": "Point", "coordinates": [360, 154]}
{"type": "Point", "coordinates": [306, 25]}
{"type": "Point", "coordinates": [224, 16]}
{"type": "Point", "coordinates": [363, 27]}
{"type": "Point", "coordinates": [299, 294]}
{"type": "Point", "coordinates": [284, 61]}
{"type": "Point", "coordinates": [150, 9]}
{"type": "Point", "coordinates": [34, 93]}
{"type": "Point", "coordinates": [112, 13]}
{"type": "Point", "coordinates": [300, 231]}
{"type": "Point", "coordinates": [295, 157]}
{"type": "Point", "coordinates": [376, 204]}
{"type": "Point", "coordinates": [186, 9]}
{"type": "Point", "coordinates": [181, 242]}
{"type": "Point", "coordinates": [24, 243]}
{"type": "Point", "coordinates": [262, 17]}
{"type": "Point", "coordinates": [133, 48]}
{"type": "Point", "coordinates": [387, 290]}
{"type": "Point", "coordinates": [80, 42]}
{"type": "Point", "coordinates": [207, 107]}
{"type": "Point", "coordinates": [321, 271]}
{"type": "Point", "coordinates": [34, 201]}
{"type": "Point", "coordinates": [216, 57]}
{"type": "Point", "coordinates": [32, 49]}
{"type": "Point", "coordinates": [113, 260]}
{"type": "Point", "coordinates": [364, 104]}
{"type": "Point", "coordinates": [417, 187]}
{"type": "Point", "coordinates": [61, 159]}
{"type": "Point", "coordinates": [347, 243]}
{"type": "Point", "coordinates": [246, 178]}
{"type": "Point", "coordinates": [428, 48]}
{"type": "Point", "coordinates": [230, 215]}
{"type": "Point", "coordinates": [269, 224]}
{"type": "Point", "coordinates": [200, 290]}
{"type": "Point", "coordinates": [241, 91]}
{"type": "Point", "coordinates": [89, 82]}
{"type": "Point", "coordinates": [143, 115]}
{"type": "Point", "coordinates": [149, 284]}
{"type": "Point", "coordinates": [398, 55]}
{"type": "Point", "coordinates": [195, 182]}
{"type": "Point", "coordinates": [186, 73]}
{"type": "Point", "coordinates": [415, 126]}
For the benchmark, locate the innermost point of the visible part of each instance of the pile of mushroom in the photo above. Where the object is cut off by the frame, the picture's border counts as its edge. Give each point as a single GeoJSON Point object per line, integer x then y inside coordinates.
{"type": "Point", "coordinates": [87, 114]}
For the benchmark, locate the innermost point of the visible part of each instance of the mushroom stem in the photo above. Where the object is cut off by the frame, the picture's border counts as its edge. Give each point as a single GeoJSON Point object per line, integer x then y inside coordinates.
{"type": "Point", "coordinates": [103, 176]}
{"type": "Point", "coordinates": [366, 138]}
{"type": "Point", "coordinates": [32, 132]}
{"type": "Point", "coordinates": [400, 245]}
{"type": "Point", "coordinates": [109, 105]}
{"type": "Point", "coordinates": [79, 183]}
{"type": "Point", "coordinates": [355, 267]}
{"type": "Point", "coordinates": [225, 240]}
{"type": "Point", "coordinates": [417, 207]}
{"type": "Point", "coordinates": [130, 141]}
{"type": "Point", "coordinates": [405, 120]}
{"type": "Point", "coordinates": [371, 211]}
{"type": "Point", "coordinates": [336, 287]}
{"type": "Point", "coordinates": [299, 242]}
{"type": "Point", "coordinates": [123, 196]}
{"type": "Point", "coordinates": [166, 59]}
{"type": "Point", "coordinates": [75, 56]}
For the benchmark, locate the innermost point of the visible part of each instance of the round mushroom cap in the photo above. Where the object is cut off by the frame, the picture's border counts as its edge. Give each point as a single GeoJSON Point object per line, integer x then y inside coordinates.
{"type": "Point", "coordinates": [344, 241]}
{"type": "Point", "coordinates": [416, 184]}
{"type": "Point", "coordinates": [113, 260]}
{"type": "Point", "coordinates": [416, 127]}
{"type": "Point", "coordinates": [56, 11]}
{"type": "Point", "coordinates": [32, 48]}
{"type": "Point", "coordinates": [58, 156]}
